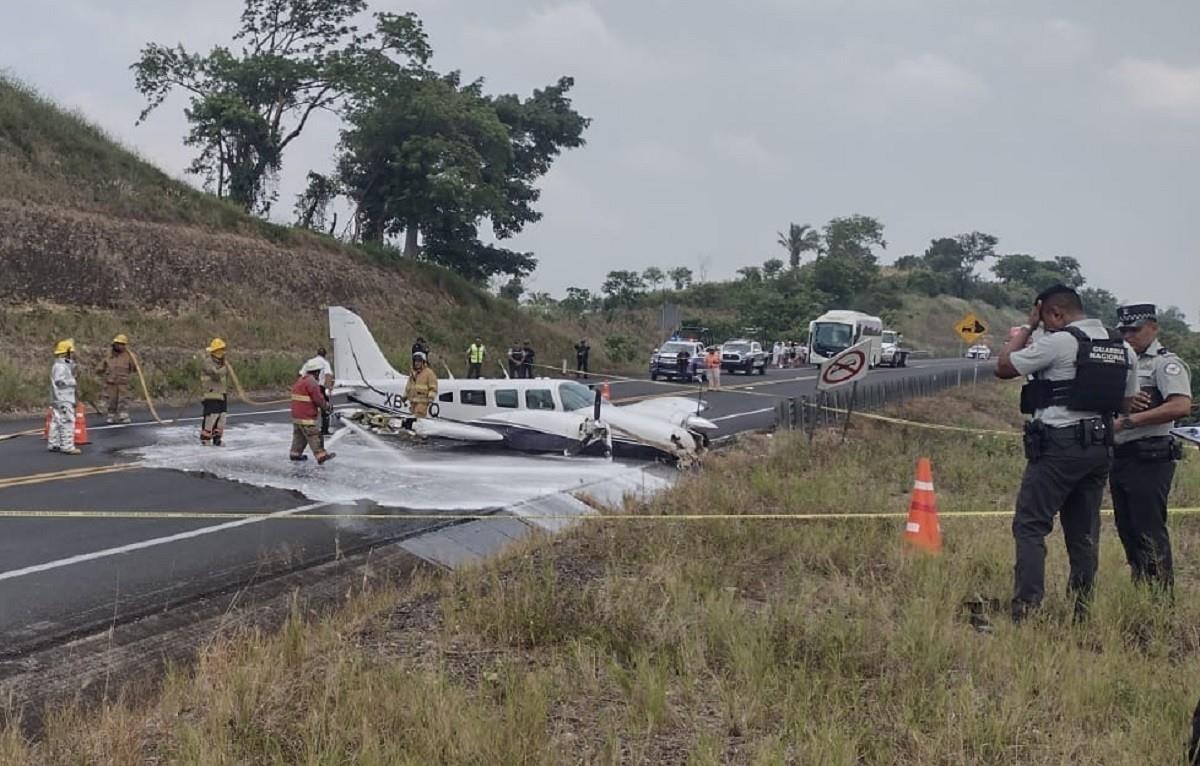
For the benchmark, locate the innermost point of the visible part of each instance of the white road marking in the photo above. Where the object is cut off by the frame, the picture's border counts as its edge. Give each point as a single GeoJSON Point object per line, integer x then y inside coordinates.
{"type": "Point", "coordinates": [140, 423]}
{"type": "Point", "coordinates": [13, 574]}
{"type": "Point", "coordinates": [742, 414]}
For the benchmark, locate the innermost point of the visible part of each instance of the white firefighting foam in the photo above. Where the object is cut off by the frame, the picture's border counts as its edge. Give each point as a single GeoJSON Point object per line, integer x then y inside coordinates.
{"type": "Point", "coordinates": [380, 471]}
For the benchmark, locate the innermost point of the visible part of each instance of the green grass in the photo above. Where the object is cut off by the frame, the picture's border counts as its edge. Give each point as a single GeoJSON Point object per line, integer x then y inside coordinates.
{"type": "Point", "coordinates": [721, 641]}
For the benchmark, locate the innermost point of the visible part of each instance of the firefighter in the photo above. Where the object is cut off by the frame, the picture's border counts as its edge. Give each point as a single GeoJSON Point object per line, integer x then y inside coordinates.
{"type": "Point", "coordinates": [62, 399]}
{"type": "Point", "coordinates": [325, 380]}
{"type": "Point", "coordinates": [475, 355]}
{"type": "Point", "coordinates": [309, 400]}
{"type": "Point", "coordinates": [422, 386]}
{"type": "Point", "coordinates": [1082, 374]}
{"type": "Point", "coordinates": [116, 369]}
{"type": "Point", "coordinates": [214, 382]}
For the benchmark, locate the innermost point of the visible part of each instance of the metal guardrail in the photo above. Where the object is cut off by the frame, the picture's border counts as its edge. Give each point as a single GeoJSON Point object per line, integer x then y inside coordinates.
{"type": "Point", "coordinates": [832, 408]}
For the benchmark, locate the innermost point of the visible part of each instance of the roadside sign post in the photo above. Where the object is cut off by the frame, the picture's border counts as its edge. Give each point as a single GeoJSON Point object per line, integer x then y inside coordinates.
{"type": "Point", "coordinates": [846, 368]}
{"type": "Point", "coordinates": [970, 328]}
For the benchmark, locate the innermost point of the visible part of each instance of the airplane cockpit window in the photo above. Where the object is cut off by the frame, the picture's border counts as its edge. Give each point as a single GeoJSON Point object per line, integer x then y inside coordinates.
{"type": "Point", "coordinates": [575, 396]}
{"type": "Point", "coordinates": [446, 397]}
{"type": "Point", "coordinates": [539, 399]}
{"type": "Point", "coordinates": [506, 397]}
{"type": "Point", "coordinates": [477, 398]}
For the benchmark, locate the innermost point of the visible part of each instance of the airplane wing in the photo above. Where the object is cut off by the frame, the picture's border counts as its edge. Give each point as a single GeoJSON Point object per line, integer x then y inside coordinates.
{"type": "Point", "coordinates": [435, 428]}
{"type": "Point", "coordinates": [561, 423]}
{"type": "Point", "coordinates": [666, 407]}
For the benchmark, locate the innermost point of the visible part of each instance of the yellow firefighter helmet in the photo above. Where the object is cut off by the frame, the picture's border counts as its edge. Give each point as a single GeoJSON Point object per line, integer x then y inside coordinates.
{"type": "Point", "coordinates": [63, 346]}
{"type": "Point", "coordinates": [216, 345]}
{"type": "Point", "coordinates": [121, 339]}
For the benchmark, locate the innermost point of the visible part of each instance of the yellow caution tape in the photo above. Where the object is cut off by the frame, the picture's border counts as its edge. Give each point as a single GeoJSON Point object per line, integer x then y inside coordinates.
{"type": "Point", "coordinates": [395, 517]}
{"type": "Point", "coordinates": [931, 426]}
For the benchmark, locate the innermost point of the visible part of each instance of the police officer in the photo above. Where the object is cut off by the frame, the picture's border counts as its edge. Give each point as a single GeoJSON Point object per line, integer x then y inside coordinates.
{"type": "Point", "coordinates": [1082, 374]}
{"type": "Point", "coordinates": [1144, 458]}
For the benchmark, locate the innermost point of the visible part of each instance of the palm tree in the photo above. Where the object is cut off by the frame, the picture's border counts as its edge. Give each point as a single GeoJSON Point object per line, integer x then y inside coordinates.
{"type": "Point", "coordinates": [800, 237]}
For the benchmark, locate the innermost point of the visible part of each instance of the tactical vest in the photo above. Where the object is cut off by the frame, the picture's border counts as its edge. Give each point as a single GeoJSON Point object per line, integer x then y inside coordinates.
{"type": "Point", "coordinates": [475, 354]}
{"type": "Point", "coordinates": [1101, 369]}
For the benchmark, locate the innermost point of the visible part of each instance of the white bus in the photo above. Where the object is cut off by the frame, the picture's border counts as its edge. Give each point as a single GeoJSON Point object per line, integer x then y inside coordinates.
{"type": "Point", "coordinates": [835, 331]}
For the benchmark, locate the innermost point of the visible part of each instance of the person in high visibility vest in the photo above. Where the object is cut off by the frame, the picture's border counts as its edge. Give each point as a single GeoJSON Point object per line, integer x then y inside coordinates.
{"type": "Point", "coordinates": [115, 370]}
{"type": "Point", "coordinates": [475, 355]}
{"type": "Point", "coordinates": [308, 403]}
{"type": "Point", "coordinates": [422, 387]}
{"type": "Point", "coordinates": [214, 382]}
{"type": "Point", "coordinates": [62, 399]}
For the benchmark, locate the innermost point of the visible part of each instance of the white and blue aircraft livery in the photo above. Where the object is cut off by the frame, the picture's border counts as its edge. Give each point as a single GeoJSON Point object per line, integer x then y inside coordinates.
{"type": "Point", "coordinates": [531, 415]}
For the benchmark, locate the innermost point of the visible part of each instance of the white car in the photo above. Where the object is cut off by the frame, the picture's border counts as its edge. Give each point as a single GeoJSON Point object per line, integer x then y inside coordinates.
{"type": "Point", "coordinates": [979, 351]}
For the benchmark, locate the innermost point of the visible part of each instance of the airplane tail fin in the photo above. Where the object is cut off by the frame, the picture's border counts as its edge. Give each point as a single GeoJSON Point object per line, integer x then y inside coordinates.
{"type": "Point", "coordinates": [356, 356]}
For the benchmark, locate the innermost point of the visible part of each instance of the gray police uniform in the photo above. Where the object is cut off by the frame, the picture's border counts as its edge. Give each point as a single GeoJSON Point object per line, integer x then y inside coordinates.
{"type": "Point", "coordinates": [1143, 469]}
{"type": "Point", "coordinates": [1068, 465]}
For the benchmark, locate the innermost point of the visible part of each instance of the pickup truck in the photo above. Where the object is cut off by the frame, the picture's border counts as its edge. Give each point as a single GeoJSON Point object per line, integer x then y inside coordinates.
{"type": "Point", "coordinates": [664, 362]}
{"type": "Point", "coordinates": [743, 356]}
{"type": "Point", "coordinates": [891, 349]}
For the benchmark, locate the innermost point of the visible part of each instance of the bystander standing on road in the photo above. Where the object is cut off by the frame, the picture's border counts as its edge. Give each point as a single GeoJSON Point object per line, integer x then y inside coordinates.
{"type": "Point", "coordinates": [582, 351]}
{"type": "Point", "coordinates": [1083, 374]}
{"type": "Point", "coordinates": [1144, 459]}
{"type": "Point", "coordinates": [527, 360]}
{"type": "Point", "coordinates": [515, 355]}
{"type": "Point", "coordinates": [475, 358]}
{"type": "Point", "coordinates": [712, 363]}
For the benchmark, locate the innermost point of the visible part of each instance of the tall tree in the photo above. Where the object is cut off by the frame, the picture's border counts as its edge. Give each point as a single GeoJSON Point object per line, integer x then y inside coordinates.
{"type": "Point", "coordinates": [800, 238]}
{"type": "Point", "coordinates": [246, 106]}
{"type": "Point", "coordinates": [849, 266]}
{"type": "Point", "coordinates": [954, 259]}
{"type": "Point", "coordinates": [772, 267]}
{"type": "Point", "coordinates": [681, 277]}
{"type": "Point", "coordinates": [654, 276]}
{"type": "Point", "coordinates": [622, 288]}
{"type": "Point", "coordinates": [426, 155]}
{"type": "Point", "coordinates": [312, 206]}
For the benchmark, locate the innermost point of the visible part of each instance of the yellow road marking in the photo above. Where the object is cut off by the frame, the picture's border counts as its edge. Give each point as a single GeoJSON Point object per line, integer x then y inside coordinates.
{"type": "Point", "coordinates": [72, 473]}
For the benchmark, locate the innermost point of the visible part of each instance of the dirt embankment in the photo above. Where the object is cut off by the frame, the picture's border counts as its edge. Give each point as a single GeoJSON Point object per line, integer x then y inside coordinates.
{"type": "Point", "coordinates": [66, 256]}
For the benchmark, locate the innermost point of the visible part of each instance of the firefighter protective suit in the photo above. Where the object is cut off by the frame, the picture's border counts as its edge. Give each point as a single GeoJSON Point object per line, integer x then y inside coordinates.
{"type": "Point", "coordinates": [214, 382]}
{"type": "Point", "coordinates": [116, 370]}
{"type": "Point", "coordinates": [62, 401]}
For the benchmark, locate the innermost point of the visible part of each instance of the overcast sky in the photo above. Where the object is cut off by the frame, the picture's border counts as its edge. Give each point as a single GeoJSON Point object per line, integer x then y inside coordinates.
{"type": "Point", "coordinates": [1064, 128]}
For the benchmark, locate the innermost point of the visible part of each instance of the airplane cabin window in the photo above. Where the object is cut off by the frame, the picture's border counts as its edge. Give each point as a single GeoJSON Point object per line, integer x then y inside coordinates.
{"type": "Point", "coordinates": [506, 397]}
{"type": "Point", "coordinates": [478, 398]}
{"type": "Point", "coordinates": [539, 399]}
{"type": "Point", "coordinates": [446, 397]}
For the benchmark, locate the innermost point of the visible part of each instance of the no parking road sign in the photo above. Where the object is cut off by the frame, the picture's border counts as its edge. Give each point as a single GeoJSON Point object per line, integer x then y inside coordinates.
{"type": "Point", "coordinates": [847, 367]}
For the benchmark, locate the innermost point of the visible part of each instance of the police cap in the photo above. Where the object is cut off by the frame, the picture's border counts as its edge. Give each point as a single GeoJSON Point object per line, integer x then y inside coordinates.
{"type": "Point", "coordinates": [1136, 315]}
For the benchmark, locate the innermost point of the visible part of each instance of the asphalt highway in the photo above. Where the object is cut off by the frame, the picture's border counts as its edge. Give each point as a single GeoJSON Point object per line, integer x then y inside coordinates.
{"type": "Point", "coordinates": [62, 577]}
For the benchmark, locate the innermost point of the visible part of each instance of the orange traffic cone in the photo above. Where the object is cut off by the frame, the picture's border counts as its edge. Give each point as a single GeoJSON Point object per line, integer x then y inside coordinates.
{"type": "Point", "coordinates": [46, 430]}
{"type": "Point", "coordinates": [605, 394]}
{"type": "Point", "coordinates": [922, 529]}
{"type": "Point", "coordinates": [81, 436]}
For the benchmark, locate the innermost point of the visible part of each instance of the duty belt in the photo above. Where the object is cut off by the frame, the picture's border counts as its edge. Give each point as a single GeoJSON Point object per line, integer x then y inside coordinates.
{"type": "Point", "coordinates": [1152, 449]}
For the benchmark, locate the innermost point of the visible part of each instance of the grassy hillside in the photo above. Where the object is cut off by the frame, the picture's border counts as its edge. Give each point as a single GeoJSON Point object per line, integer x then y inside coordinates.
{"type": "Point", "coordinates": [711, 642]}
{"type": "Point", "coordinates": [97, 241]}
{"type": "Point", "coordinates": [927, 322]}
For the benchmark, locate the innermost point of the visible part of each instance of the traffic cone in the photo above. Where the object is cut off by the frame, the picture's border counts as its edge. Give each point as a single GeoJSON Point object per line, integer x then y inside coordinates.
{"type": "Point", "coordinates": [922, 529]}
{"type": "Point", "coordinates": [605, 394]}
{"type": "Point", "coordinates": [46, 430]}
{"type": "Point", "coordinates": [81, 436]}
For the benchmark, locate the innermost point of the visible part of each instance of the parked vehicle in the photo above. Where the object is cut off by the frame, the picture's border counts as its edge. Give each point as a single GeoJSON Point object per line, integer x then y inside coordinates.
{"type": "Point", "coordinates": [892, 351]}
{"type": "Point", "coordinates": [664, 362]}
{"type": "Point", "coordinates": [740, 355]}
{"type": "Point", "coordinates": [979, 351]}
{"type": "Point", "coordinates": [835, 331]}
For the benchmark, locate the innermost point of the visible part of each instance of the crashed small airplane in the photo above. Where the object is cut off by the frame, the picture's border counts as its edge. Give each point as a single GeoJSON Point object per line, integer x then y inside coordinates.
{"type": "Point", "coordinates": [529, 415]}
